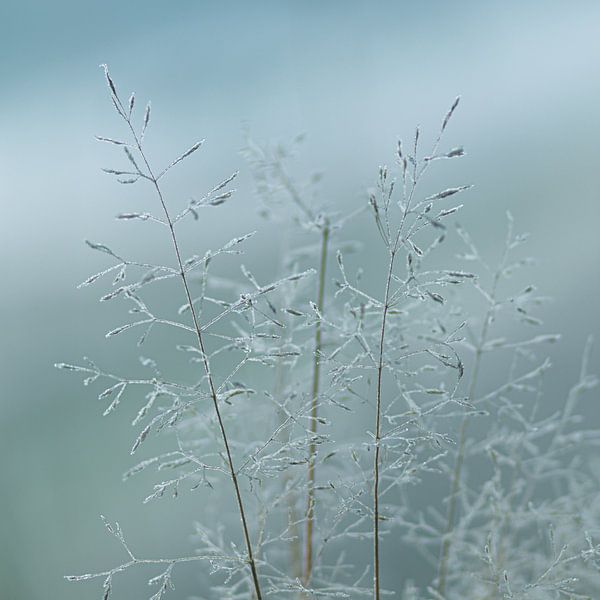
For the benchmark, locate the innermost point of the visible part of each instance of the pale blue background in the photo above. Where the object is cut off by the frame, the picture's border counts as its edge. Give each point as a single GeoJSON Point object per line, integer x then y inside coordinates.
{"type": "Point", "coordinates": [353, 75]}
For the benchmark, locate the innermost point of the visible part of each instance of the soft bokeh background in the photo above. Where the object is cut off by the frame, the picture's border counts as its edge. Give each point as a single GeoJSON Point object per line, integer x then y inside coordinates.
{"type": "Point", "coordinates": [352, 74]}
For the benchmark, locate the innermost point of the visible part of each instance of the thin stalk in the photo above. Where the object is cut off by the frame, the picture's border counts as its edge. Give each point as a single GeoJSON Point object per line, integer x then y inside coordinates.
{"type": "Point", "coordinates": [295, 538]}
{"type": "Point", "coordinates": [376, 461]}
{"type": "Point", "coordinates": [393, 249]}
{"type": "Point", "coordinates": [456, 477]}
{"type": "Point", "coordinates": [460, 457]}
{"type": "Point", "coordinates": [312, 449]}
{"type": "Point", "coordinates": [206, 365]}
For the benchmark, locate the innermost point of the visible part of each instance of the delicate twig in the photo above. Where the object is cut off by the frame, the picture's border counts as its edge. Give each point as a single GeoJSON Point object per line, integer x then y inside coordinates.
{"type": "Point", "coordinates": [460, 456]}
{"type": "Point", "coordinates": [198, 331]}
{"type": "Point", "coordinates": [312, 449]}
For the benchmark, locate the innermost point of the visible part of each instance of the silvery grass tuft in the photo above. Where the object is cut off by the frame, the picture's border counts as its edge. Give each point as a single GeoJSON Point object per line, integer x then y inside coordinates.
{"type": "Point", "coordinates": [317, 403]}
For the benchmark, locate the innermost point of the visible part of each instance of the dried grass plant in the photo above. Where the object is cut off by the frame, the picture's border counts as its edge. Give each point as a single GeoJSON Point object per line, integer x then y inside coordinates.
{"type": "Point", "coordinates": [282, 433]}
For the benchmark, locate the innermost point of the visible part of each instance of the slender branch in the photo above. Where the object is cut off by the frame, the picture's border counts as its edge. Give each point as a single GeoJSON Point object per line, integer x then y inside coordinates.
{"type": "Point", "coordinates": [393, 250]}
{"type": "Point", "coordinates": [376, 580]}
{"type": "Point", "coordinates": [205, 362]}
{"type": "Point", "coordinates": [456, 477]}
{"type": "Point", "coordinates": [312, 450]}
{"type": "Point", "coordinates": [460, 457]}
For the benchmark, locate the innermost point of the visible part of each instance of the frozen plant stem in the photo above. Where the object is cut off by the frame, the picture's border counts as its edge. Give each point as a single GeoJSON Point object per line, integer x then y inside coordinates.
{"type": "Point", "coordinates": [460, 457]}
{"type": "Point", "coordinates": [325, 229]}
{"type": "Point", "coordinates": [376, 461]}
{"type": "Point", "coordinates": [456, 477]}
{"type": "Point", "coordinates": [393, 244]}
{"type": "Point", "coordinates": [312, 450]}
{"type": "Point", "coordinates": [198, 332]}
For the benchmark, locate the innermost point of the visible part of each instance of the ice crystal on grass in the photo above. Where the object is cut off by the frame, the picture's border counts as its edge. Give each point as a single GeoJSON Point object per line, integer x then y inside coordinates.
{"type": "Point", "coordinates": [318, 404]}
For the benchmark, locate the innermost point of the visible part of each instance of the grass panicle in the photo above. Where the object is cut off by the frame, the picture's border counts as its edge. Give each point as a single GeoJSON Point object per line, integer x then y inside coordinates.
{"type": "Point", "coordinates": [382, 399]}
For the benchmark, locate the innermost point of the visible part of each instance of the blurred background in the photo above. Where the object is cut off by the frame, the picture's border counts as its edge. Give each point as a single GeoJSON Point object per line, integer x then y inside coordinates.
{"type": "Point", "coordinates": [353, 75]}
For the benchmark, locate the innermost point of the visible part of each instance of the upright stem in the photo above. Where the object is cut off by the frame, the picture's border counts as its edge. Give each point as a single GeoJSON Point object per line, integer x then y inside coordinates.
{"type": "Point", "coordinates": [460, 457]}
{"type": "Point", "coordinates": [206, 364]}
{"type": "Point", "coordinates": [376, 582]}
{"type": "Point", "coordinates": [456, 477]}
{"type": "Point", "coordinates": [312, 449]}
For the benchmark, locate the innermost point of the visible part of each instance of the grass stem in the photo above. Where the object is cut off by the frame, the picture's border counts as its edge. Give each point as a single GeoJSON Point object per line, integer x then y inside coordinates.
{"type": "Point", "coordinates": [312, 450]}
{"type": "Point", "coordinates": [460, 457]}
{"type": "Point", "coordinates": [378, 402]}
{"type": "Point", "coordinates": [206, 365]}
